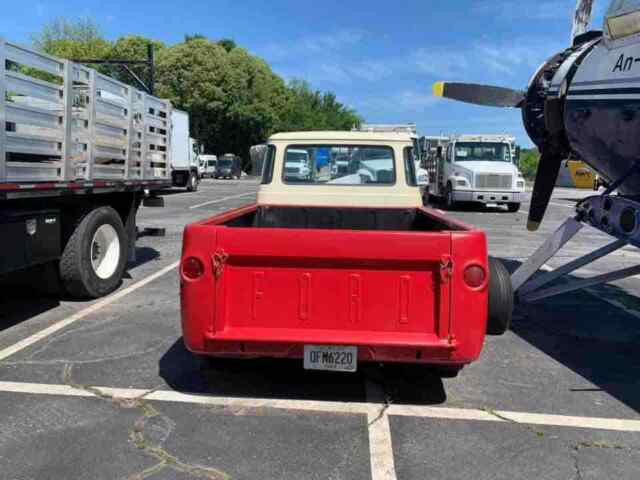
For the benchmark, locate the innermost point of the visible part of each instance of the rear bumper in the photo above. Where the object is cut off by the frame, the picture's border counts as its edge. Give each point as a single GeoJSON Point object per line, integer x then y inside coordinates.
{"type": "Point", "coordinates": [372, 346]}
{"type": "Point", "coordinates": [481, 196]}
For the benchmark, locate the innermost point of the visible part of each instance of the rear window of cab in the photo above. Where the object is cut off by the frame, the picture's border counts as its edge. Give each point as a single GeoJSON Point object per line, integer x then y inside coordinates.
{"type": "Point", "coordinates": [339, 165]}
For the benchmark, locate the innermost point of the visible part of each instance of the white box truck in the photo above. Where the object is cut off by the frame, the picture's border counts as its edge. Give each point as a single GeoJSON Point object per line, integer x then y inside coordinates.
{"type": "Point", "coordinates": [79, 153]}
{"type": "Point", "coordinates": [184, 153]}
{"type": "Point", "coordinates": [208, 165]}
{"type": "Point", "coordinates": [476, 169]}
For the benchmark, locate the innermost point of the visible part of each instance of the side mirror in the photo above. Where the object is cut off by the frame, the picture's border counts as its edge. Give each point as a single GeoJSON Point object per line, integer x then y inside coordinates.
{"type": "Point", "coordinates": [518, 152]}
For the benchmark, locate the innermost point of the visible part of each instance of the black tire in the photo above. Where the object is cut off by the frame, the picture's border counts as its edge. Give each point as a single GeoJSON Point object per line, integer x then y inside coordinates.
{"type": "Point", "coordinates": [192, 183]}
{"type": "Point", "coordinates": [513, 207]}
{"type": "Point", "coordinates": [76, 270]}
{"type": "Point", "coordinates": [449, 202]}
{"type": "Point", "coordinates": [500, 298]}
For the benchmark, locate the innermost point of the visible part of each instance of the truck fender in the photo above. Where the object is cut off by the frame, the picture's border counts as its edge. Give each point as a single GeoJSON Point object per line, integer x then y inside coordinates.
{"type": "Point", "coordinates": [453, 181]}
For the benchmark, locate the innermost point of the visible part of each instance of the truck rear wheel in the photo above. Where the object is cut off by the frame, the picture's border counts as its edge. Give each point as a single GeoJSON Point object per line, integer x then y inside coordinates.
{"type": "Point", "coordinates": [500, 298]}
{"type": "Point", "coordinates": [192, 183]}
{"type": "Point", "coordinates": [95, 255]}
{"type": "Point", "coordinates": [513, 207]}
{"type": "Point", "coordinates": [450, 202]}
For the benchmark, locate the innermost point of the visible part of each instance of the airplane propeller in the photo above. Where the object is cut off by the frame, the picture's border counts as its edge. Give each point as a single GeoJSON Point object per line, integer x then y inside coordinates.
{"type": "Point", "coordinates": [552, 147]}
{"type": "Point", "coordinates": [581, 17]}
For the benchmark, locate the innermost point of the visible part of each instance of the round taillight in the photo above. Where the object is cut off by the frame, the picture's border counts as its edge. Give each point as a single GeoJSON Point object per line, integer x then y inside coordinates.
{"type": "Point", "coordinates": [192, 268]}
{"type": "Point", "coordinates": [474, 276]}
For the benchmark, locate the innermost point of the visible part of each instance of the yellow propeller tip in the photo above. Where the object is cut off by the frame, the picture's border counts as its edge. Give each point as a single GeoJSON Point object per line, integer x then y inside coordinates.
{"type": "Point", "coordinates": [533, 226]}
{"type": "Point", "coordinates": [438, 89]}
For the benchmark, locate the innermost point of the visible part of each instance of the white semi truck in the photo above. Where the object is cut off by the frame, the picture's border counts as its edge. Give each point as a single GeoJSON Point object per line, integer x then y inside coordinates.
{"type": "Point", "coordinates": [79, 153]}
{"type": "Point", "coordinates": [475, 169]}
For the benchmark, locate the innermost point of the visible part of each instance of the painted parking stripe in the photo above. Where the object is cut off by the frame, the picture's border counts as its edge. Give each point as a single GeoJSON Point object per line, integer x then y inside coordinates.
{"type": "Point", "coordinates": [468, 414]}
{"type": "Point", "coordinates": [380, 440]}
{"type": "Point", "coordinates": [220, 200]}
{"type": "Point", "coordinates": [42, 334]}
{"type": "Point", "coordinates": [555, 204]}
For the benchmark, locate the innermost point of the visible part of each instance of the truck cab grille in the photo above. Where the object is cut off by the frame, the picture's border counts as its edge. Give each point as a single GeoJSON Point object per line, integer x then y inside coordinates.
{"type": "Point", "coordinates": [494, 180]}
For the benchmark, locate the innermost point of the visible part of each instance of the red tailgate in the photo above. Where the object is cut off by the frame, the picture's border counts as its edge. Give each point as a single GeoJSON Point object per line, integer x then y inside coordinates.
{"type": "Point", "coordinates": [331, 286]}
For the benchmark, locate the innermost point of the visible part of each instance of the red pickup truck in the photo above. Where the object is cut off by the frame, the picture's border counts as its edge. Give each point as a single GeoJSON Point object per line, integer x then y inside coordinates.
{"type": "Point", "coordinates": [340, 266]}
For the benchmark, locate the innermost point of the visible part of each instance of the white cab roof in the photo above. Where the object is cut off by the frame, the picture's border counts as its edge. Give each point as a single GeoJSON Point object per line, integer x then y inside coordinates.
{"type": "Point", "coordinates": [484, 138]}
{"type": "Point", "coordinates": [341, 136]}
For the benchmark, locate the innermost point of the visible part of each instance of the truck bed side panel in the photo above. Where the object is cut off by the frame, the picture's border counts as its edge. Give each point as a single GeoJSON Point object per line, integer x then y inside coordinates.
{"type": "Point", "coordinates": [469, 308]}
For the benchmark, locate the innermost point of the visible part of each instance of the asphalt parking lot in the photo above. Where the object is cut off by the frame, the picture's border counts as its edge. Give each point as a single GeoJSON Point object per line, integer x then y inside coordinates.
{"type": "Point", "coordinates": [106, 389]}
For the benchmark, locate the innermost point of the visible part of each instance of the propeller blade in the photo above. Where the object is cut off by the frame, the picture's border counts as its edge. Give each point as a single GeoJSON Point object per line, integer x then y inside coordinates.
{"type": "Point", "coordinates": [581, 17]}
{"type": "Point", "coordinates": [484, 95]}
{"type": "Point", "coordinates": [546, 178]}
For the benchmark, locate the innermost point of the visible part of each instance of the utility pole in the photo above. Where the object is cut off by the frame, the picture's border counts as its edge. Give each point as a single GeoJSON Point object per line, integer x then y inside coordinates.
{"type": "Point", "coordinates": [125, 64]}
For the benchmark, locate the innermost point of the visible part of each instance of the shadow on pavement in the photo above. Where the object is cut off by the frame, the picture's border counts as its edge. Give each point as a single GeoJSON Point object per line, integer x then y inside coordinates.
{"type": "Point", "coordinates": [32, 292]}
{"type": "Point", "coordinates": [143, 255]}
{"type": "Point", "coordinates": [588, 335]}
{"type": "Point", "coordinates": [286, 379]}
{"type": "Point", "coordinates": [16, 308]}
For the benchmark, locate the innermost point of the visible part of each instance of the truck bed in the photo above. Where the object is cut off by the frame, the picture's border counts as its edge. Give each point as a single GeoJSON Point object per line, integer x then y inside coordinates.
{"type": "Point", "coordinates": [278, 278]}
{"type": "Point", "coordinates": [332, 218]}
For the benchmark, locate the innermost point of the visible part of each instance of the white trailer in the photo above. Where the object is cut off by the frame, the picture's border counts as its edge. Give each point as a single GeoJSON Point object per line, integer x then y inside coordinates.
{"type": "Point", "coordinates": [79, 153]}
{"type": "Point", "coordinates": [184, 153]}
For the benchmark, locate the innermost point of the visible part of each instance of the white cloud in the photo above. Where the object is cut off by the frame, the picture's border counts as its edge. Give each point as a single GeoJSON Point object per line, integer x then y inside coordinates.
{"type": "Point", "coordinates": [314, 45]}
{"type": "Point", "coordinates": [439, 61]}
{"type": "Point", "coordinates": [540, 11]}
{"type": "Point", "coordinates": [483, 58]}
{"type": "Point", "coordinates": [405, 102]}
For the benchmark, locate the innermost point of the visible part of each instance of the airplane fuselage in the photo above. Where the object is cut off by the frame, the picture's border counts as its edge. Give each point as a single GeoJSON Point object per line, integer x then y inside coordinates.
{"type": "Point", "coordinates": [602, 111]}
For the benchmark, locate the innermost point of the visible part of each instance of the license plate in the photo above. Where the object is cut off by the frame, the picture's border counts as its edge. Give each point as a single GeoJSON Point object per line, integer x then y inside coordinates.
{"type": "Point", "coordinates": [332, 358]}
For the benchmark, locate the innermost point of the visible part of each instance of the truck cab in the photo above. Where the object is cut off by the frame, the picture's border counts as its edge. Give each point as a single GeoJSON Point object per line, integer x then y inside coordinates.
{"type": "Point", "coordinates": [209, 165]}
{"type": "Point", "coordinates": [340, 270]}
{"type": "Point", "coordinates": [381, 161]}
{"type": "Point", "coordinates": [478, 169]}
{"type": "Point", "coordinates": [228, 166]}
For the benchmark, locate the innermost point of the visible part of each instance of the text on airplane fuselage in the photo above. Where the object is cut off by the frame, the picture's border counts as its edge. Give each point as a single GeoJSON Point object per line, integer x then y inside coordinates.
{"type": "Point", "coordinates": [625, 63]}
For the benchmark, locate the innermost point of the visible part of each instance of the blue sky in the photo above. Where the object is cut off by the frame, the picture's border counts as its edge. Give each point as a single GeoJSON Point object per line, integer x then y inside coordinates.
{"type": "Point", "coordinates": [379, 57]}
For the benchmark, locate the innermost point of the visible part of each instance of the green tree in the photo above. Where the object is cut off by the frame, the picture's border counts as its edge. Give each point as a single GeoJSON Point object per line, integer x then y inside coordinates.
{"type": "Point", "coordinates": [72, 39]}
{"type": "Point", "coordinates": [233, 97]}
{"type": "Point", "coordinates": [132, 47]}
{"type": "Point", "coordinates": [308, 109]}
{"type": "Point", "coordinates": [529, 159]}
{"type": "Point", "coordinates": [227, 44]}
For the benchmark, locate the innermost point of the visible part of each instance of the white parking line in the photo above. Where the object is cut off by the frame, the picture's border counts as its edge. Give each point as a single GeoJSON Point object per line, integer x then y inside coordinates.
{"type": "Point", "coordinates": [42, 334]}
{"type": "Point", "coordinates": [369, 409]}
{"type": "Point", "coordinates": [220, 200]}
{"type": "Point", "coordinates": [556, 204]}
{"type": "Point", "coordinates": [380, 441]}
{"type": "Point", "coordinates": [381, 447]}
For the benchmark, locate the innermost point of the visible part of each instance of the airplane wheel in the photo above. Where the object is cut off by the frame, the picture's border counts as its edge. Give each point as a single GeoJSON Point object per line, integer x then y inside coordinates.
{"type": "Point", "coordinates": [501, 298]}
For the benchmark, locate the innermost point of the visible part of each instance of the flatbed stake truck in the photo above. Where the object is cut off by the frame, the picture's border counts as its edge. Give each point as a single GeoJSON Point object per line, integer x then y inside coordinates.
{"type": "Point", "coordinates": [342, 266]}
{"type": "Point", "coordinates": [79, 153]}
